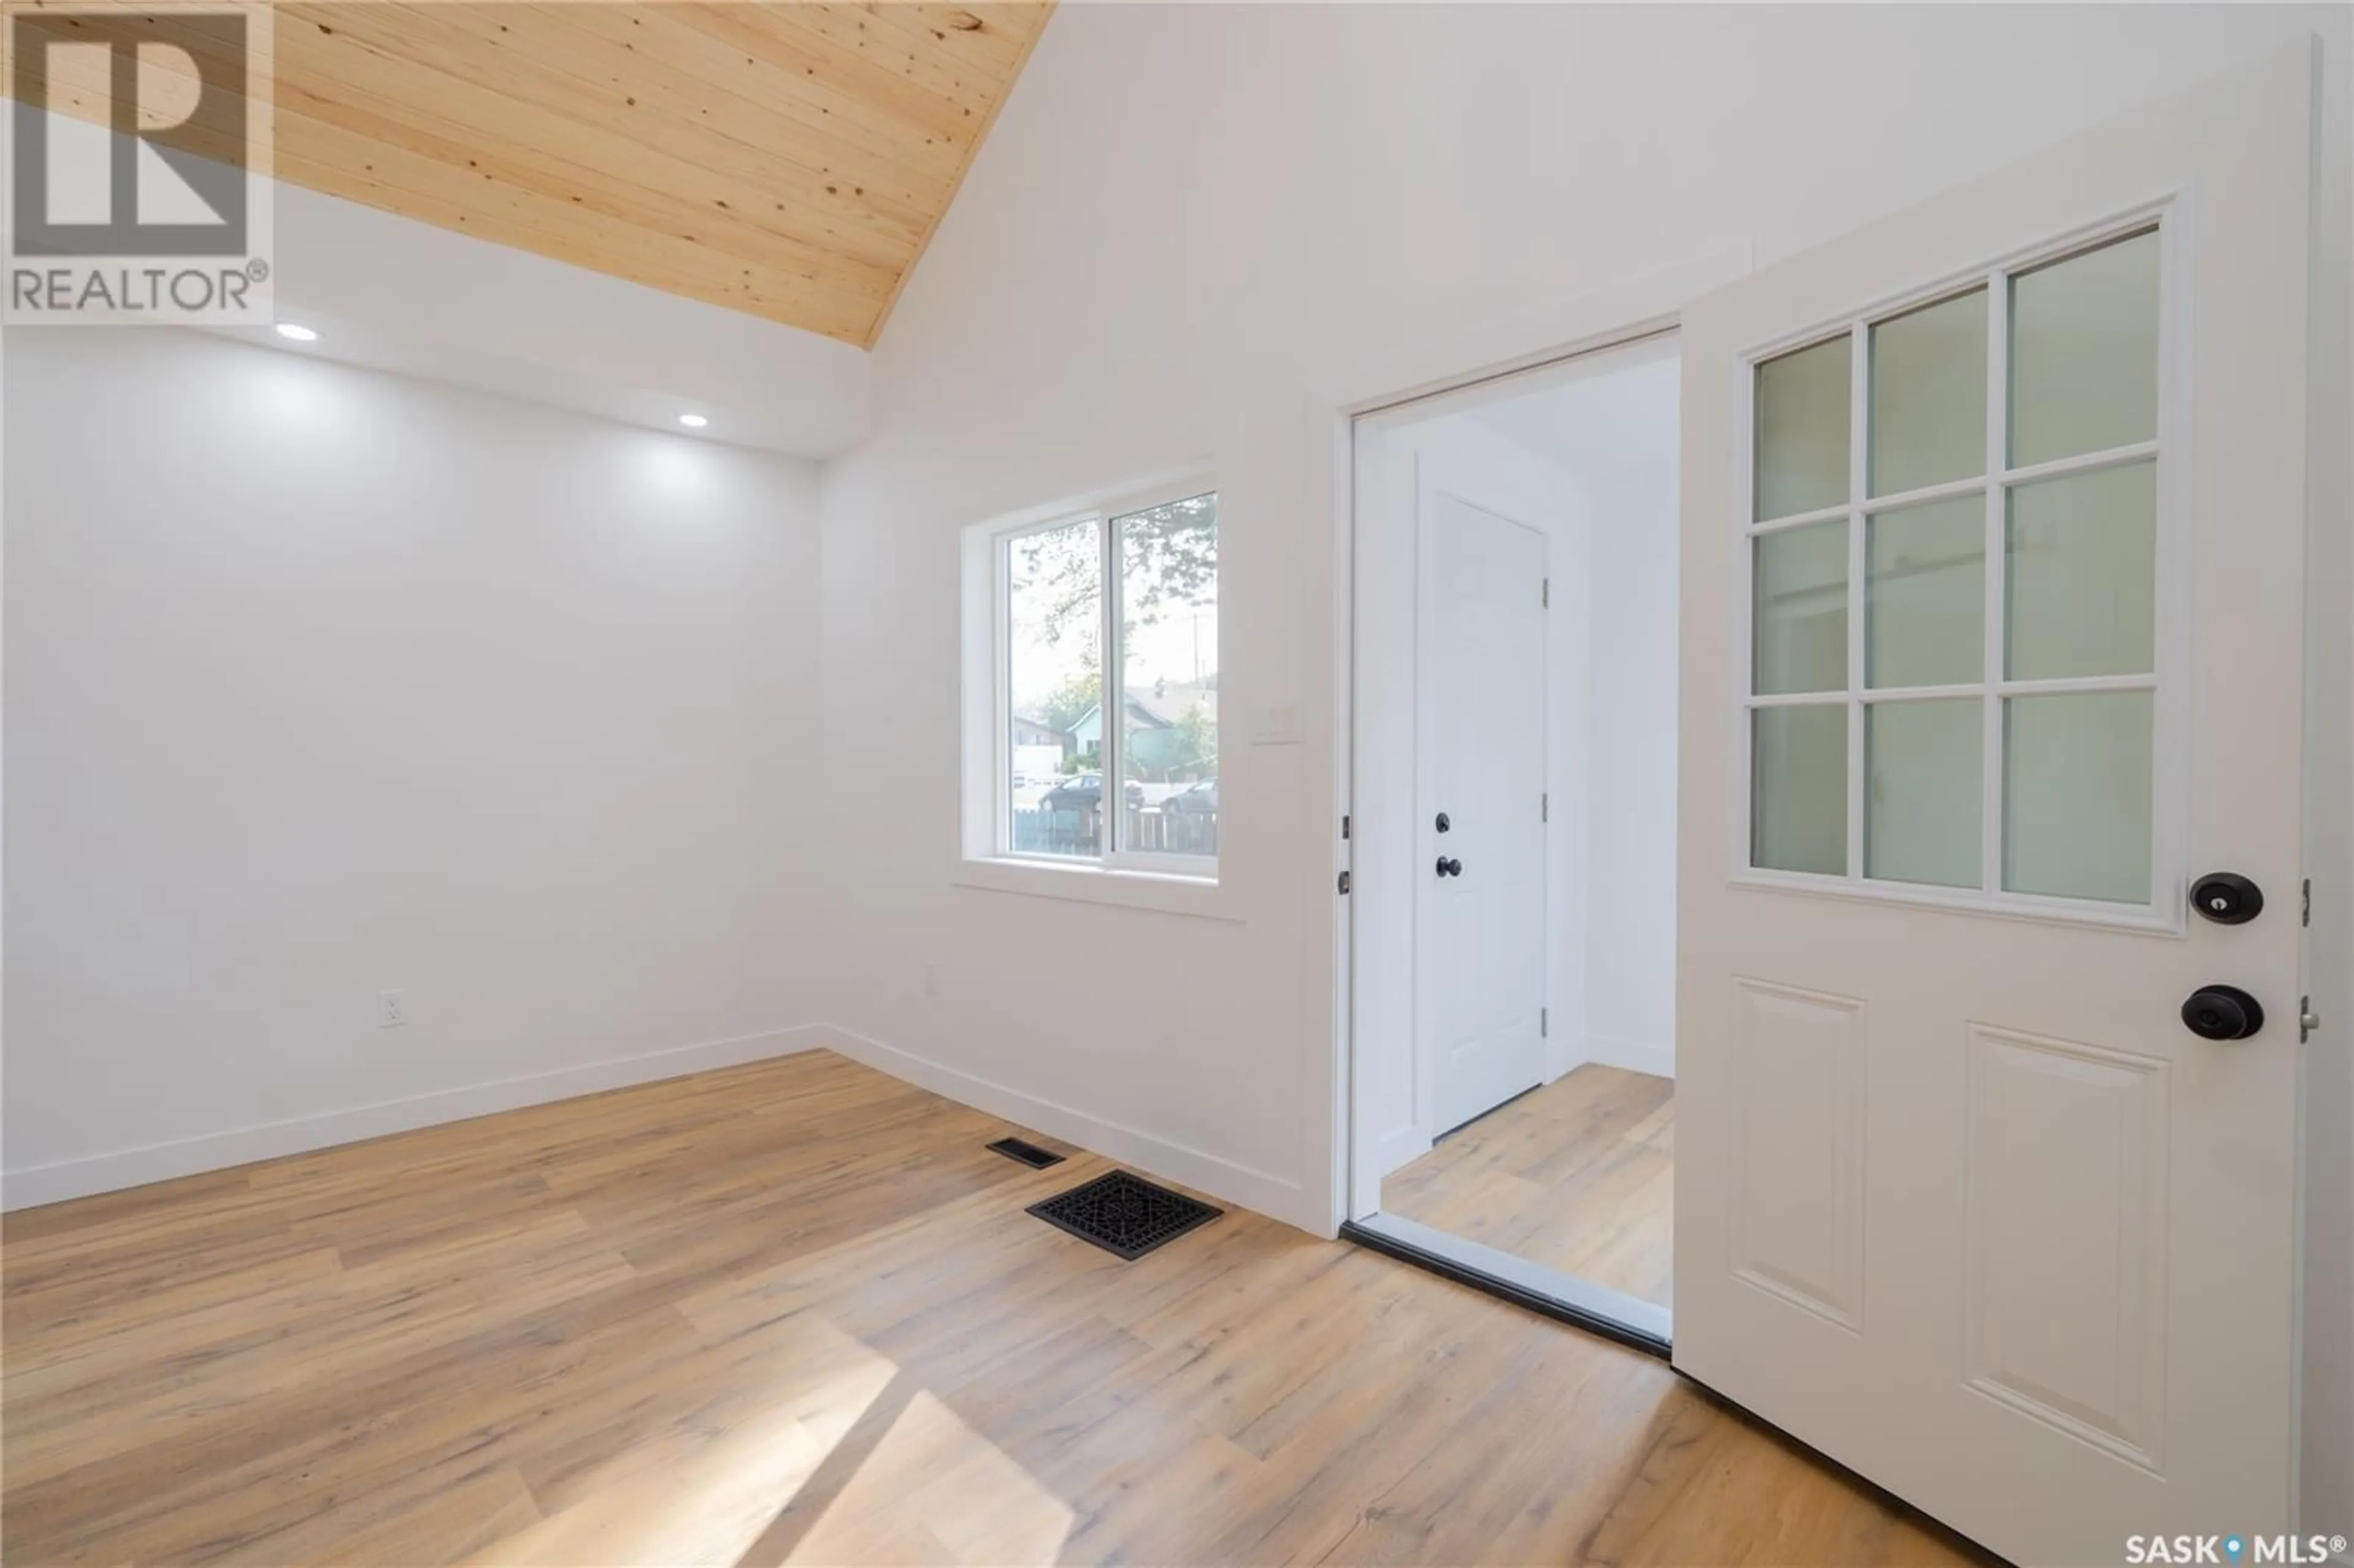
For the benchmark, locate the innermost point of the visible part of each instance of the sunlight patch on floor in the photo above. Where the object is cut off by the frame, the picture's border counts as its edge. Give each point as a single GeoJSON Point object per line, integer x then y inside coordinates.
{"type": "Point", "coordinates": [711, 1494]}
{"type": "Point", "coordinates": [935, 1490]}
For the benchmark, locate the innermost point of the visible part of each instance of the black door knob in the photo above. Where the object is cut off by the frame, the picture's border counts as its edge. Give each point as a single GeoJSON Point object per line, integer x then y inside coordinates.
{"type": "Point", "coordinates": [1443, 823]}
{"type": "Point", "coordinates": [1449, 867]}
{"type": "Point", "coordinates": [2227, 899]}
{"type": "Point", "coordinates": [2223, 1012]}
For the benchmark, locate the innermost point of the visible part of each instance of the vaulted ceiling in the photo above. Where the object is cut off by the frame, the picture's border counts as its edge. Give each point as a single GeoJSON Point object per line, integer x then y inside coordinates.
{"type": "Point", "coordinates": [789, 160]}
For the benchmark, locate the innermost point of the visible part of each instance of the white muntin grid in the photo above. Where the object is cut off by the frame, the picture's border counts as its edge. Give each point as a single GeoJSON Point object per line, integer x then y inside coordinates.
{"type": "Point", "coordinates": [1993, 688]}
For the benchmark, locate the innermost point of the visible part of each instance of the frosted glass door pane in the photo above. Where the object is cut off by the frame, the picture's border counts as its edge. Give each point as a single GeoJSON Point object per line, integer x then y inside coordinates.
{"type": "Point", "coordinates": [1929, 395]}
{"type": "Point", "coordinates": [2083, 353]}
{"type": "Point", "coordinates": [1926, 610]}
{"type": "Point", "coordinates": [1800, 610]}
{"type": "Point", "coordinates": [1923, 788]}
{"type": "Point", "coordinates": [2082, 573]}
{"type": "Point", "coordinates": [1797, 789]}
{"type": "Point", "coordinates": [1802, 429]}
{"type": "Point", "coordinates": [2076, 795]}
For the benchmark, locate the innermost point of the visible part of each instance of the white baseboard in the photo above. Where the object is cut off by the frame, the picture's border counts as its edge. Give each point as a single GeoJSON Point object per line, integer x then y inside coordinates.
{"type": "Point", "coordinates": [1660, 1061]}
{"type": "Point", "coordinates": [1269, 1194]}
{"type": "Point", "coordinates": [241, 1146]}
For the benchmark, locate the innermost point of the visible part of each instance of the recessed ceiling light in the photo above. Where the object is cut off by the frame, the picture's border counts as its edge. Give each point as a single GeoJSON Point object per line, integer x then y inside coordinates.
{"type": "Point", "coordinates": [299, 334]}
{"type": "Point", "coordinates": [693, 421]}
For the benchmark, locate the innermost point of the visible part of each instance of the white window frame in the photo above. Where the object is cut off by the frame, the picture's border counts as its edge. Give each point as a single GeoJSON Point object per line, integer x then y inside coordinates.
{"type": "Point", "coordinates": [1115, 873]}
{"type": "Point", "coordinates": [2169, 802]}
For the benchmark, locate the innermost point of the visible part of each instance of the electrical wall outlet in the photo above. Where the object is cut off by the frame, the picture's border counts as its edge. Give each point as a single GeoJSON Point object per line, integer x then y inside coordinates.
{"type": "Point", "coordinates": [391, 1011]}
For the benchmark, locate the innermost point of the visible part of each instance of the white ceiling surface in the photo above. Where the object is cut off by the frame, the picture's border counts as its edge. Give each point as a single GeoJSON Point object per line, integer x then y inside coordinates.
{"type": "Point", "coordinates": [395, 294]}
{"type": "Point", "coordinates": [1621, 413]}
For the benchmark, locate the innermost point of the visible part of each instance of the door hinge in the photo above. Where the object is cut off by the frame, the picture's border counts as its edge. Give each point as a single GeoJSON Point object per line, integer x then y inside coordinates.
{"type": "Point", "coordinates": [1344, 830]}
{"type": "Point", "coordinates": [1344, 883]}
{"type": "Point", "coordinates": [1546, 598]}
{"type": "Point", "coordinates": [1544, 1023]}
{"type": "Point", "coordinates": [2307, 918]}
{"type": "Point", "coordinates": [1544, 807]}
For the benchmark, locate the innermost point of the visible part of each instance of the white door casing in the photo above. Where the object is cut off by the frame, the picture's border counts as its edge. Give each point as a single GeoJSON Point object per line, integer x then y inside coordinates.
{"type": "Point", "coordinates": [1483, 758]}
{"type": "Point", "coordinates": [1961, 1200]}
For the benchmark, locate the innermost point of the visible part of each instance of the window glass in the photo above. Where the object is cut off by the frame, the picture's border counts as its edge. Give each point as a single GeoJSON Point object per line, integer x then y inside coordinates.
{"type": "Point", "coordinates": [1923, 782]}
{"type": "Point", "coordinates": [2083, 559]}
{"type": "Point", "coordinates": [2064, 587]}
{"type": "Point", "coordinates": [1929, 395]}
{"type": "Point", "coordinates": [2076, 788]}
{"type": "Point", "coordinates": [1802, 430]}
{"type": "Point", "coordinates": [1169, 678]}
{"type": "Point", "coordinates": [1925, 625]}
{"type": "Point", "coordinates": [1054, 664]}
{"type": "Point", "coordinates": [1800, 611]}
{"type": "Point", "coordinates": [2083, 353]}
{"type": "Point", "coordinates": [1799, 789]}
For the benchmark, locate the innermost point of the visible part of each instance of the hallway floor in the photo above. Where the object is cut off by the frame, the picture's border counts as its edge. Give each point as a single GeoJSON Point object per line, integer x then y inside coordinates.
{"type": "Point", "coordinates": [1578, 1175]}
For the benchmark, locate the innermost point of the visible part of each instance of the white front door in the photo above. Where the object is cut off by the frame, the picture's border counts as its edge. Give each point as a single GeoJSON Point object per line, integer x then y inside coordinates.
{"type": "Point", "coordinates": [1994, 522]}
{"type": "Point", "coordinates": [1484, 752]}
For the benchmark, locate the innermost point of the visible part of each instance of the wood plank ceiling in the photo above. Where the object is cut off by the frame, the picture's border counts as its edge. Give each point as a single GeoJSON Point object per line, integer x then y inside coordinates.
{"type": "Point", "coordinates": [789, 160]}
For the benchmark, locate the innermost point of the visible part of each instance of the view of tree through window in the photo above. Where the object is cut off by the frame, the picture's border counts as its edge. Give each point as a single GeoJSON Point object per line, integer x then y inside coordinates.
{"type": "Point", "coordinates": [1055, 680]}
{"type": "Point", "coordinates": [1166, 652]}
{"type": "Point", "coordinates": [1168, 673]}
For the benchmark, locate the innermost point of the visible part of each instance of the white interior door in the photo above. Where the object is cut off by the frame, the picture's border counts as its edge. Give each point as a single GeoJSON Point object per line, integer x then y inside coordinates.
{"type": "Point", "coordinates": [1484, 750]}
{"type": "Point", "coordinates": [1993, 535]}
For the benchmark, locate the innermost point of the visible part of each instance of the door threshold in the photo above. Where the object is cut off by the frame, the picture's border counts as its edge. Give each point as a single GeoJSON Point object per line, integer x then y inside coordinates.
{"type": "Point", "coordinates": [1613, 1313]}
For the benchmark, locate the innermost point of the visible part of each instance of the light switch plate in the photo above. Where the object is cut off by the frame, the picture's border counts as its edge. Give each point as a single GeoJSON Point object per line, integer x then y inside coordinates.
{"type": "Point", "coordinates": [1276, 723]}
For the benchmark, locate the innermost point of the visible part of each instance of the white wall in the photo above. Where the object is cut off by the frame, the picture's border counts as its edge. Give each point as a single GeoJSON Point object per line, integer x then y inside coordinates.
{"type": "Point", "coordinates": [1627, 762]}
{"type": "Point", "coordinates": [322, 681]}
{"type": "Point", "coordinates": [1192, 224]}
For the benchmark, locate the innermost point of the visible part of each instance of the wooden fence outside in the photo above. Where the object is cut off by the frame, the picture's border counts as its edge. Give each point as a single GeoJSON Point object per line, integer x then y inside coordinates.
{"type": "Point", "coordinates": [1149, 829]}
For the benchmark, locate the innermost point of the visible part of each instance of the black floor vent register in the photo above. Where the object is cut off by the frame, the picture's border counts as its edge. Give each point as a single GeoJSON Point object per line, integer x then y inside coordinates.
{"type": "Point", "coordinates": [1029, 1153]}
{"type": "Point", "coordinates": [1124, 1214]}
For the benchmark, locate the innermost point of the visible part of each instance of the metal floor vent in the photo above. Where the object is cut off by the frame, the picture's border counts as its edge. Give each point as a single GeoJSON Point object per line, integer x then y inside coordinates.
{"type": "Point", "coordinates": [1124, 1214]}
{"type": "Point", "coordinates": [1029, 1153]}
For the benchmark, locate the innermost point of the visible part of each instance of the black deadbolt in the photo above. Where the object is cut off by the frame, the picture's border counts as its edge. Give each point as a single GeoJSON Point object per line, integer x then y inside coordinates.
{"type": "Point", "coordinates": [1443, 823]}
{"type": "Point", "coordinates": [1449, 867]}
{"type": "Point", "coordinates": [2223, 1012]}
{"type": "Point", "coordinates": [2227, 899]}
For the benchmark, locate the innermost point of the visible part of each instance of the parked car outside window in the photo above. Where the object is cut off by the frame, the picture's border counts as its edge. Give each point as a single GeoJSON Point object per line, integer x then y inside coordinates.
{"type": "Point", "coordinates": [1084, 792]}
{"type": "Point", "coordinates": [1203, 796]}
